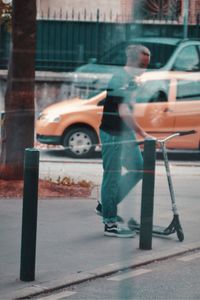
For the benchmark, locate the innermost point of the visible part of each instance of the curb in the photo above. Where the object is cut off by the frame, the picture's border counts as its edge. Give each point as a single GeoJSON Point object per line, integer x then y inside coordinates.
{"type": "Point", "coordinates": [55, 285]}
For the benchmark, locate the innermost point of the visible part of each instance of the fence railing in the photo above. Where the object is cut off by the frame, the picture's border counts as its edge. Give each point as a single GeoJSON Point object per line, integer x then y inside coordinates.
{"type": "Point", "coordinates": [64, 44]}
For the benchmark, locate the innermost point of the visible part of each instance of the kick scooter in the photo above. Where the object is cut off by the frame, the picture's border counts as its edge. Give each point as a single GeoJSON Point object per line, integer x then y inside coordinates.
{"type": "Point", "coordinates": [175, 225]}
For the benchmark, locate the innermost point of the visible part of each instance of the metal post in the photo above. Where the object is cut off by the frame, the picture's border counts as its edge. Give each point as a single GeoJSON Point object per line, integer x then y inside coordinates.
{"type": "Point", "coordinates": [97, 35]}
{"type": "Point", "coordinates": [146, 219]}
{"type": "Point", "coordinates": [185, 18]}
{"type": "Point", "coordinates": [29, 215]}
{"type": "Point", "coordinates": [2, 118]}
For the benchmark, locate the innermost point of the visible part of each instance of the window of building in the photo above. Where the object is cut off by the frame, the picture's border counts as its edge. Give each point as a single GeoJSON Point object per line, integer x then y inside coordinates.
{"type": "Point", "coordinates": [158, 9]}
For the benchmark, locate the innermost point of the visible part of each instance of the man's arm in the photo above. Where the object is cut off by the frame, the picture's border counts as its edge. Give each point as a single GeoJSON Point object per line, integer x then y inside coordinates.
{"type": "Point", "coordinates": [127, 115]}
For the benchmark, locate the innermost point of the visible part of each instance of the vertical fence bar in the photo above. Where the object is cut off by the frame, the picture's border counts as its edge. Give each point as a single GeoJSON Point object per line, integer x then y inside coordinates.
{"type": "Point", "coordinates": [2, 118]}
{"type": "Point", "coordinates": [146, 219]}
{"type": "Point", "coordinates": [97, 34]}
{"type": "Point", "coordinates": [185, 18]}
{"type": "Point", "coordinates": [29, 215]}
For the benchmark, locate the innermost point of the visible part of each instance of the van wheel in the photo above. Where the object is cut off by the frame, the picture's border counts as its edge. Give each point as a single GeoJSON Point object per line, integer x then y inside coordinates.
{"type": "Point", "coordinates": [80, 142]}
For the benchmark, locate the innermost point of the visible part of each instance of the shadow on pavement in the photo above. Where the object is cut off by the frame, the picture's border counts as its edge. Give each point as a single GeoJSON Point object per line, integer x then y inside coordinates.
{"type": "Point", "coordinates": [180, 155]}
{"type": "Point", "coordinates": [183, 155]}
{"type": "Point", "coordinates": [61, 153]}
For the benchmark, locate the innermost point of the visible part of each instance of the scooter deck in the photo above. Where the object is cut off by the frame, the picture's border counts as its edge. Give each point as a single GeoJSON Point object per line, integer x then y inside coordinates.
{"type": "Point", "coordinates": [156, 229]}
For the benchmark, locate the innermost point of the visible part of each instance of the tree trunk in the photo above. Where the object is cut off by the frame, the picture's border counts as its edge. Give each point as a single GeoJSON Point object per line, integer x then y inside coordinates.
{"type": "Point", "coordinates": [18, 122]}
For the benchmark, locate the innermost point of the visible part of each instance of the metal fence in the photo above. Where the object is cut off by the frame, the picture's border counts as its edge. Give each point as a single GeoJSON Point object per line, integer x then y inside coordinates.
{"type": "Point", "coordinates": [68, 40]}
{"type": "Point", "coordinates": [64, 45]}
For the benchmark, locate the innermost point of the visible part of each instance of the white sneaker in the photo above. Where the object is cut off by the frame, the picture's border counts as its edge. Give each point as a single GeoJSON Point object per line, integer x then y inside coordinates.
{"type": "Point", "coordinates": [115, 231]}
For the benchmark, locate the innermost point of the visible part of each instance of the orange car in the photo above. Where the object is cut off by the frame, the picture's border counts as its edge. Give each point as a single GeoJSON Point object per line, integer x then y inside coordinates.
{"type": "Point", "coordinates": [75, 123]}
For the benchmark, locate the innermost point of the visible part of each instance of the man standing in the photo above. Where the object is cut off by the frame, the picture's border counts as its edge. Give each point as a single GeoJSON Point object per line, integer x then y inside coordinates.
{"type": "Point", "coordinates": [117, 134]}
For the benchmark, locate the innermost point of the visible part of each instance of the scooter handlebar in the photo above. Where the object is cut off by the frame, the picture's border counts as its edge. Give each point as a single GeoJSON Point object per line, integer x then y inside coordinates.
{"type": "Point", "coordinates": [187, 132]}
{"type": "Point", "coordinates": [175, 134]}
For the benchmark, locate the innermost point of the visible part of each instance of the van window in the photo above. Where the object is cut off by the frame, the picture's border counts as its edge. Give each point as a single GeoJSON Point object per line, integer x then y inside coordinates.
{"type": "Point", "coordinates": [188, 60]}
{"type": "Point", "coordinates": [188, 90]}
{"type": "Point", "coordinates": [160, 54]}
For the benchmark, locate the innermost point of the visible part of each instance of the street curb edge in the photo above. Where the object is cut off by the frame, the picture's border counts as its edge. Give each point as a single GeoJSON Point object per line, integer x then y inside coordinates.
{"type": "Point", "coordinates": [106, 270]}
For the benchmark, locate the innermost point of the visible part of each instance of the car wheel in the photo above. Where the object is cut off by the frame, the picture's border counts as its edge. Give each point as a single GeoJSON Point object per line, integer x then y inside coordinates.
{"type": "Point", "coordinates": [80, 142]}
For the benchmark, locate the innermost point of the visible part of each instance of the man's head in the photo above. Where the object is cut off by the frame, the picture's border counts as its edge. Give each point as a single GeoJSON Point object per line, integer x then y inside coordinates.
{"type": "Point", "coordinates": [138, 56]}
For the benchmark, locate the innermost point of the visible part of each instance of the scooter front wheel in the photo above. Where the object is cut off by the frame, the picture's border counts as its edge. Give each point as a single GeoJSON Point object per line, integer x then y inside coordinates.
{"type": "Point", "coordinates": [180, 234]}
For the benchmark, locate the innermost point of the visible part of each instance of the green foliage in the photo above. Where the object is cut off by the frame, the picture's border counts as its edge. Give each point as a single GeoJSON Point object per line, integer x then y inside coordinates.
{"type": "Point", "coordinates": [6, 14]}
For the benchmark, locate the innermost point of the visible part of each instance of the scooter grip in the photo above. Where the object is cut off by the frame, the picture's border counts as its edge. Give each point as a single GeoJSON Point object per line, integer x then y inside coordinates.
{"type": "Point", "coordinates": [140, 143]}
{"type": "Point", "coordinates": [187, 132]}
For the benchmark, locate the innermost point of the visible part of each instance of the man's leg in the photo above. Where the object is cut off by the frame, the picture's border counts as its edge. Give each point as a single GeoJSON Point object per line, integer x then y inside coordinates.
{"type": "Point", "coordinates": [133, 162]}
{"type": "Point", "coordinates": [111, 155]}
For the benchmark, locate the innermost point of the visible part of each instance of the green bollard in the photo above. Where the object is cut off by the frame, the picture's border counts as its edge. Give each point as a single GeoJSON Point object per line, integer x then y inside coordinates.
{"type": "Point", "coordinates": [146, 219]}
{"type": "Point", "coordinates": [29, 215]}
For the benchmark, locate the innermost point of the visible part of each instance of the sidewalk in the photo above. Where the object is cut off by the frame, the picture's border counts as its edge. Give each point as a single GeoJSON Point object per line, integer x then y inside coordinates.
{"type": "Point", "coordinates": [71, 246]}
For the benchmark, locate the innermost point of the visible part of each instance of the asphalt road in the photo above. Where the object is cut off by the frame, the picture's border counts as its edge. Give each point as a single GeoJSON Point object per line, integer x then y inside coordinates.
{"type": "Point", "coordinates": [175, 278]}
{"type": "Point", "coordinates": [62, 251]}
{"type": "Point", "coordinates": [54, 164]}
{"type": "Point", "coordinates": [176, 155]}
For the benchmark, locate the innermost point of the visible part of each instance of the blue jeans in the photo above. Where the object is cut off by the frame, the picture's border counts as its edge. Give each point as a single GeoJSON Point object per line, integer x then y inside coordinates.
{"type": "Point", "coordinates": [118, 151]}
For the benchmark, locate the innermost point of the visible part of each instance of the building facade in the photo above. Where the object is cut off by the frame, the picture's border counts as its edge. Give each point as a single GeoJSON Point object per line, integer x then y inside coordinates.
{"type": "Point", "coordinates": [119, 10]}
{"type": "Point", "coordinates": [83, 9]}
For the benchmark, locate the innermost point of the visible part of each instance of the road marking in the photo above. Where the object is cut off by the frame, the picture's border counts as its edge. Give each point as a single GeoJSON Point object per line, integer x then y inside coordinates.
{"type": "Point", "coordinates": [129, 274]}
{"type": "Point", "coordinates": [58, 296]}
{"type": "Point", "coordinates": [189, 257]}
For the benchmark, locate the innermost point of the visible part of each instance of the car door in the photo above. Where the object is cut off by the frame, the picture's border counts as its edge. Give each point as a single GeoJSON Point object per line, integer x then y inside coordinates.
{"type": "Point", "coordinates": [153, 112]}
{"type": "Point", "coordinates": [187, 111]}
{"type": "Point", "coordinates": [187, 108]}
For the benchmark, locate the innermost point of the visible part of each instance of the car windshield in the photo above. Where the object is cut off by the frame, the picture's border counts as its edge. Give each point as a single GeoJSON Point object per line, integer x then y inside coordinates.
{"type": "Point", "coordinates": [86, 92]}
{"type": "Point", "coordinates": [160, 54]}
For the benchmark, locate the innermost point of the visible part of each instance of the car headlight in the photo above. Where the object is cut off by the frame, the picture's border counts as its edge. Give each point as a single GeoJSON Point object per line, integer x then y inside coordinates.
{"type": "Point", "coordinates": [49, 118]}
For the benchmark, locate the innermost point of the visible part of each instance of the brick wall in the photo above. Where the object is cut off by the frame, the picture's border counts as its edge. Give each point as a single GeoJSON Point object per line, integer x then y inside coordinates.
{"type": "Point", "coordinates": [194, 9]}
{"type": "Point", "coordinates": [127, 9]}
{"type": "Point", "coordinates": [108, 8]}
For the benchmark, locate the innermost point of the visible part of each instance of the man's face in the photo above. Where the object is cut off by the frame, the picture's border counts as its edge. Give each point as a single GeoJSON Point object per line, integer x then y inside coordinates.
{"type": "Point", "coordinates": [144, 59]}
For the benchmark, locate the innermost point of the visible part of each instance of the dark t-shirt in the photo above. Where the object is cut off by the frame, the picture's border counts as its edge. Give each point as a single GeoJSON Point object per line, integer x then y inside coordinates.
{"type": "Point", "coordinates": [120, 90]}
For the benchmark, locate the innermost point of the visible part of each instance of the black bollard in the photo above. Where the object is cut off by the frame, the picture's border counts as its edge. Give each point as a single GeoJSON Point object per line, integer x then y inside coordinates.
{"type": "Point", "coordinates": [147, 203]}
{"type": "Point", "coordinates": [29, 215]}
